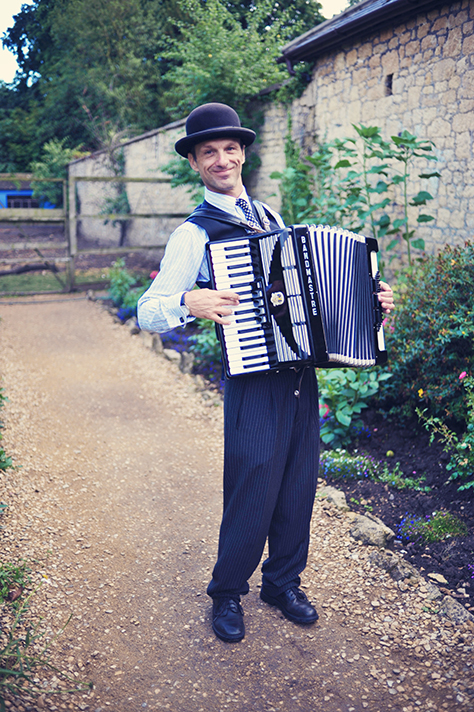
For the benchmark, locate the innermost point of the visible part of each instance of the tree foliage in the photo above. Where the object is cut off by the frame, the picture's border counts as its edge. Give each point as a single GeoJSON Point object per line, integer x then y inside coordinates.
{"type": "Point", "coordinates": [89, 69]}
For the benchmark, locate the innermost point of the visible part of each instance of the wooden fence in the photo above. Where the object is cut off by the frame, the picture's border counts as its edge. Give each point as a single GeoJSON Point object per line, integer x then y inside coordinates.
{"type": "Point", "coordinates": [68, 216]}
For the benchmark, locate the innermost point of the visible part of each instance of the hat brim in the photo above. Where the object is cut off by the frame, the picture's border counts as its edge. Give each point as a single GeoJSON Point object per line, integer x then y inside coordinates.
{"type": "Point", "coordinates": [185, 144]}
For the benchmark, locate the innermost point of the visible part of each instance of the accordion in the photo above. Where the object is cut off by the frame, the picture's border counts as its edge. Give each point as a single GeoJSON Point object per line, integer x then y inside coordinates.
{"type": "Point", "coordinates": [308, 295]}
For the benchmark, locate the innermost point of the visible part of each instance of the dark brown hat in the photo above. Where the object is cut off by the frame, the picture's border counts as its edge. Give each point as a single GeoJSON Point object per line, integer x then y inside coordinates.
{"type": "Point", "coordinates": [212, 121]}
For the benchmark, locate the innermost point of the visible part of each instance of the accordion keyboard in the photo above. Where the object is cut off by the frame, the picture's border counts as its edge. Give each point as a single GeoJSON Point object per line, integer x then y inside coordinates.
{"type": "Point", "coordinates": [248, 339]}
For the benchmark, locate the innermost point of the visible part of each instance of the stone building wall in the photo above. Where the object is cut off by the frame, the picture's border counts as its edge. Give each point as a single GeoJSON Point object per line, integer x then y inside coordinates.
{"type": "Point", "coordinates": [429, 63]}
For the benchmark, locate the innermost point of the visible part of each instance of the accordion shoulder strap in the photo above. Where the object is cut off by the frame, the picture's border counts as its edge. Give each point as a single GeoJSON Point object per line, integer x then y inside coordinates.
{"type": "Point", "coordinates": [216, 222]}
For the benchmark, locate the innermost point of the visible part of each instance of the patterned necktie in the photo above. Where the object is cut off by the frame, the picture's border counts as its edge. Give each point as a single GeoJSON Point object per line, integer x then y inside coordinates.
{"type": "Point", "coordinates": [249, 216]}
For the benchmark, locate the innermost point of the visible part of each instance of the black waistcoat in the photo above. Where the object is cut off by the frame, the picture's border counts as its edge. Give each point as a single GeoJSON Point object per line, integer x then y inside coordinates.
{"type": "Point", "coordinates": [220, 225]}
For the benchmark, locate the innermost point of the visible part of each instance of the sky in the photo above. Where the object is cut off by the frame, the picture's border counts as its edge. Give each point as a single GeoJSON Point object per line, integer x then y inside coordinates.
{"type": "Point", "coordinates": [8, 8]}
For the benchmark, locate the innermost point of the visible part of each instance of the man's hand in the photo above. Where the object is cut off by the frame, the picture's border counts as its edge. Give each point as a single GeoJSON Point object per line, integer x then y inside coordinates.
{"type": "Point", "coordinates": [212, 304]}
{"type": "Point", "coordinates": [386, 298]}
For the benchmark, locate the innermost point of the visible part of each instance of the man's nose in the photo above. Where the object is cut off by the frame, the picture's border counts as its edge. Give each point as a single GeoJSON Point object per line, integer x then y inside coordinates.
{"type": "Point", "coordinates": [222, 158]}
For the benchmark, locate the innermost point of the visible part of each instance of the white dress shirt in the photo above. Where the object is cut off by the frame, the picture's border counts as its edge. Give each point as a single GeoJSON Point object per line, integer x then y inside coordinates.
{"type": "Point", "coordinates": [184, 263]}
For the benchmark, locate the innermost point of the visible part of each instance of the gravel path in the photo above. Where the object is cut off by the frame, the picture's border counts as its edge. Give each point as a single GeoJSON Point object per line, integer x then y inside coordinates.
{"type": "Point", "coordinates": [118, 502]}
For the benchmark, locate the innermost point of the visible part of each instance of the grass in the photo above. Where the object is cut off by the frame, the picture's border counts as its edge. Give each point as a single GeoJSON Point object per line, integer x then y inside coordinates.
{"type": "Point", "coordinates": [12, 578]}
{"type": "Point", "coordinates": [339, 464]}
{"type": "Point", "coordinates": [45, 281]}
{"type": "Point", "coordinates": [24, 654]}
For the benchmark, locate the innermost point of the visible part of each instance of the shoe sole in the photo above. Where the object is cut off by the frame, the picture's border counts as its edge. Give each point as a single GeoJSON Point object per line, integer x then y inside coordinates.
{"type": "Point", "coordinates": [226, 639]}
{"type": "Point", "coordinates": [294, 619]}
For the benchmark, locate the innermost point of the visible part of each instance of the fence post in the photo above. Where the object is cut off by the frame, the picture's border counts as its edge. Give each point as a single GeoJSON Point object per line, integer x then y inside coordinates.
{"type": "Point", "coordinates": [72, 232]}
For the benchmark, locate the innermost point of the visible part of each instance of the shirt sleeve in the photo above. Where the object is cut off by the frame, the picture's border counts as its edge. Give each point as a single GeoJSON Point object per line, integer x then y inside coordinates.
{"type": "Point", "coordinates": [159, 309]}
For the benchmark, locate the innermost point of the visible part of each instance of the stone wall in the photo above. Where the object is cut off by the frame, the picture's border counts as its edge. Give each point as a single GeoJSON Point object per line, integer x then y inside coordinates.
{"type": "Point", "coordinates": [144, 158]}
{"type": "Point", "coordinates": [429, 64]}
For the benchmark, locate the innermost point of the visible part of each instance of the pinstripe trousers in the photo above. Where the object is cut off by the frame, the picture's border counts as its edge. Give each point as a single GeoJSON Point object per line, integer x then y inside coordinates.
{"type": "Point", "coordinates": [271, 457]}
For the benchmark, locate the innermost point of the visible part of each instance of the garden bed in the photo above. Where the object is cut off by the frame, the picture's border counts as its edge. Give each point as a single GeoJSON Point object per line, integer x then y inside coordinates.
{"type": "Point", "coordinates": [453, 557]}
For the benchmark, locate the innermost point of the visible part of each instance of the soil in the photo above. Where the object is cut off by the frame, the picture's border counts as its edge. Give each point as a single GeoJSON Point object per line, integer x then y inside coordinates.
{"type": "Point", "coordinates": [116, 505]}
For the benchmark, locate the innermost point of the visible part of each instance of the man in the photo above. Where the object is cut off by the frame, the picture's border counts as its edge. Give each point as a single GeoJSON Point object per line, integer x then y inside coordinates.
{"type": "Point", "coordinates": [271, 419]}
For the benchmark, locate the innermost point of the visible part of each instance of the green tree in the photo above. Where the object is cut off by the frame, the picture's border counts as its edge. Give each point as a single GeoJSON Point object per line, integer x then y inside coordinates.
{"type": "Point", "coordinates": [89, 69]}
{"type": "Point", "coordinates": [53, 164]}
{"type": "Point", "coordinates": [220, 58]}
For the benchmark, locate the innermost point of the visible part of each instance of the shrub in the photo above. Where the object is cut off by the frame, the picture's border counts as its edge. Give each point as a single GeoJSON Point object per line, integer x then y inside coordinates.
{"type": "Point", "coordinates": [461, 449]}
{"type": "Point", "coordinates": [430, 337]}
{"type": "Point", "coordinates": [122, 290]}
{"type": "Point", "coordinates": [343, 394]}
{"type": "Point", "coordinates": [362, 183]}
{"type": "Point", "coordinates": [206, 348]}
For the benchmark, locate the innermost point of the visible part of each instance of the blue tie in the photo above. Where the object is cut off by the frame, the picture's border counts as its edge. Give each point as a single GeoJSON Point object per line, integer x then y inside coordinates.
{"type": "Point", "coordinates": [249, 216]}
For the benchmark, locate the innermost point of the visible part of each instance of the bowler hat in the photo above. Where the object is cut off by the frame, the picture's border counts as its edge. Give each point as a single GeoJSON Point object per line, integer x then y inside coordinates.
{"type": "Point", "coordinates": [212, 121]}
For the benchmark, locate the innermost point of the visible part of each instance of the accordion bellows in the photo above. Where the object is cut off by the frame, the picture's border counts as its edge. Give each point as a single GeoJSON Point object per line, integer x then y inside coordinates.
{"type": "Point", "coordinates": [308, 295]}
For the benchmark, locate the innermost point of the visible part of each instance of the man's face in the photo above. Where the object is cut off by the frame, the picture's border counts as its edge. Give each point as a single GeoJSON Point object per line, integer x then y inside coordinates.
{"type": "Point", "coordinates": [219, 163]}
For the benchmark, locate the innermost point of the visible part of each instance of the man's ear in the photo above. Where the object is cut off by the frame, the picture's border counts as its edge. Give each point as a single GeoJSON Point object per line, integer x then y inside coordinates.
{"type": "Point", "coordinates": [192, 162]}
{"type": "Point", "coordinates": [243, 153]}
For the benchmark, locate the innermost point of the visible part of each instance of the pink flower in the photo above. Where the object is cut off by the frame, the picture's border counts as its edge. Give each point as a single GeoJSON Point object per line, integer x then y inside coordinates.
{"type": "Point", "coordinates": [462, 375]}
{"type": "Point", "coordinates": [153, 274]}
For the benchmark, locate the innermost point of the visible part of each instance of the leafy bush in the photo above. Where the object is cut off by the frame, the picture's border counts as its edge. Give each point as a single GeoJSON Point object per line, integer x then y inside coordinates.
{"type": "Point", "coordinates": [343, 395]}
{"type": "Point", "coordinates": [435, 527]}
{"type": "Point", "coordinates": [339, 464]}
{"type": "Point", "coordinates": [206, 348]}
{"type": "Point", "coordinates": [461, 449]}
{"type": "Point", "coordinates": [360, 183]}
{"type": "Point", "coordinates": [122, 290]}
{"type": "Point", "coordinates": [205, 344]}
{"type": "Point", "coordinates": [430, 337]}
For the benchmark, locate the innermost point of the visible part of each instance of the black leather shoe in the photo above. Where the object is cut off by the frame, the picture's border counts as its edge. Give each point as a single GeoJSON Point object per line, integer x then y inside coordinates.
{"type": "Point", "coordinates": [227, 619]}
{"type": "Point", "coordinates": [293, 604]}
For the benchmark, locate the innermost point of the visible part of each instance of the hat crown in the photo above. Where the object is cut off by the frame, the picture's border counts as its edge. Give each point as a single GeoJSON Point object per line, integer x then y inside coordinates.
{"type": "Point", "coordinates": [211, 116]}
{"type": "Point", "coordinates": [212, 121]}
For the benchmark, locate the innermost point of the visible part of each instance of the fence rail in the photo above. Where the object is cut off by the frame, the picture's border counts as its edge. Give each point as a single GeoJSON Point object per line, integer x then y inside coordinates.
{"type": "Point", "coordinates": [69, 217]}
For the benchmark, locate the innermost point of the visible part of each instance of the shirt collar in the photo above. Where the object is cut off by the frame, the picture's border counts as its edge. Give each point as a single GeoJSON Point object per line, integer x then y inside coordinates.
{"type": "Point", "coordinates": [224, 202]}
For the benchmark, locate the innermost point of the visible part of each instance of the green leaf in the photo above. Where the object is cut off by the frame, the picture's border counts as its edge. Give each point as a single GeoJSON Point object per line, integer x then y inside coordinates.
{"type": "Point", "coordinates": [421, 198]}
{"type": "Point", "coordinates": [400, 222]}
{"type": "Point", "coordinates": [430, 175]}
{"type": "Point", "coordinates": [392, 244]}
{"type": "Point", "coordinates": [396, 180]}
{"type": "Point", "coordinates": [424, 218]}
{"type": "Point", "coordinates": [418, 244]}
{"type": "Point", "coordinates": [343, 418]}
